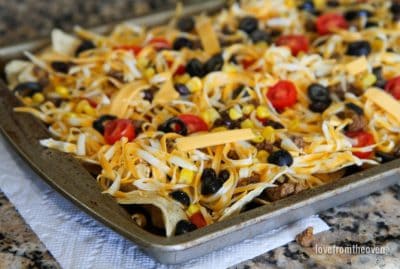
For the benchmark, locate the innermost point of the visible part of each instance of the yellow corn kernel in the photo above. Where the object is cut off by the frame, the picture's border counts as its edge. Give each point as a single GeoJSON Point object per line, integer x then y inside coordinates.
{"type": "Point", "coordinates": [247, 109]}
{"type": "Point", "coordinates": [219, 129]}
{"type": "Point", "coordinates": [262, 155]}
{"type": "Point", "coordinates": [193, 209]}
{"type": "Point", "coordinates": [182, 79]}
{"type": "Point", "coordinates": [235, 113]}
{"type": "Point", "coordinates": [142, 63]}
{"type": "Point", "coordinates": [377, 44]}
{"type": "Point", "coordinates": [210, 115]}
{"type": "Point", "coordinates": [262, 112]}
{"type": "Point", "coordinates": [88, 109]}
{"type": "Point", "coordinates": [319, 4]}
{"type": "Point", "coordinates": [258, 139]}
{"type": "Point", "coordinates": [229, 68]}
{"type": "Point", "coordinates": [194, 84]}
{"type": "Point", "coordinates": [290, 3]}
{"type": "Point", "coordinates": [149, 73]}
{"type": "Point", "coordinates": [368, 80]}
{"type": "Point", "coordinates": [38, 98]}
{"type": "Point", "coordinates": [294, 125]}
{"type": "Point", "coordinates": [269, 134]}
{"type": "Point", "coordinates": [186, 176]}
{"type": "Point", "coordinates": [62, 91]}
{"type": "Point", "coordinates": [247, 124]}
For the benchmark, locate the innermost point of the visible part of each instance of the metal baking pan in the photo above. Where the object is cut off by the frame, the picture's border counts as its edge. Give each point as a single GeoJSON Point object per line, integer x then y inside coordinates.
{"type": "Point", "coordinates": [66, 175]}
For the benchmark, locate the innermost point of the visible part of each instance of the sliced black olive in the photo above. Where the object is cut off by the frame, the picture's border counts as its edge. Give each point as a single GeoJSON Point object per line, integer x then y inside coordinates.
{"type": "Point", "coordinates": [307, 6]}
{"type": "Point", "coordinates": [380, 80]}
{"type": "Point", "coordinates": [358, 110]}
{"type": "Point", "coordinates": [274, 124]}
{"type": "Point", "coordinates": [248, 24]}
{"type": "Point", "coordinates": [281, 158]}
{"type": "Point", "coordinates": [386, 157]}
{"type": "Point", "coordinates": [395, 9]}
{"type": "Point", "coordinates": [98, 124]}
{"type": "Point", "coordinates": [238, 91]}
{"type": "Point", "coordinates": [318, 93]}
{"type": "Point", "coordinates": [182, 42]}
{"type": "Point", "coordinates": [185, 24]}
{"type": "Point", "coordinates": [260, 36]}
{"type": "Point", "coordinates": [354, 14]}
{"type": "Point", "coordinates": [371, 24]}
{"type": "Point", "coordinates": [182, 89]}
{"type": "Point", "coordinates": [62, 67]}
{"type": "Point", "coordinates": [170, 124]}
{"type": "Point", "coordinates": [319, 107]}
{"type": "Point", "coordinates": [333, 3]}
{"type": "Point", "coordinates": [195, 68]}
{"type": "Point", "coordinates": [181, 197]}
{"type": "Point", "coordinates": [28, 88]}
{"type": "Point", "coordinates": [224, 175]}
{"type": "Point", "coordinates": [359, 48]}
{"type": "Point", "coordinates": [148, 94]}
{"type": "Point", "coordinates": [214, 64]}
{"type": "Point", "coordinates": [210, 183]}
{"type": "Point", "coordinates": [184, 226]}
{"type": "Point", "coordinates": [85, 45]}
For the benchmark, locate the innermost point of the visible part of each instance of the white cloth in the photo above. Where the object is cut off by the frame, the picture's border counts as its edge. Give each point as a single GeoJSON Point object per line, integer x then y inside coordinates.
{"type": "Point", "coordinates": [78, 241]}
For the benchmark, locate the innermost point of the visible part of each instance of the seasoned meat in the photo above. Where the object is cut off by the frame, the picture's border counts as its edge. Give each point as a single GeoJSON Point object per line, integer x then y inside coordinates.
{"type": "Point", "coordinates": [359, 123]}
{"type": "Point", "coordinates": [254, 178]}
{"type": "Point", "coordinates": [298, 141]}
{"type": "Point", "coordinates": [233, 155]}
{"type": "Point", "coordinates": [282, 191]}
{"type": "Point", "coordinates": [265, 145]}
{"type": "Point", "coordinates": [306, 238]}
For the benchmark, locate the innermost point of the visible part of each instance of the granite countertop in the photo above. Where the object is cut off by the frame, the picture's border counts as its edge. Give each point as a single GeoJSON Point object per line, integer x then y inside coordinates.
{"type": "Point", "coordinates": [367, 222]}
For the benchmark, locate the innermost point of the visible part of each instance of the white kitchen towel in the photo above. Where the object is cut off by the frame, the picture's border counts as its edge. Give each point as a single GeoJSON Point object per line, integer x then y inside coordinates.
{"type": "Point", "coordinates": [78, 241]}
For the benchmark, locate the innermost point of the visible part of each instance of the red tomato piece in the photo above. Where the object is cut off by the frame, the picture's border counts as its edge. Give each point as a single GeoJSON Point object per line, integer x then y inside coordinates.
{"type": "Point", "coordinates": [198, 220]}
{"type": "Point", "coordinates": [282, 95]}
{"type": "Point", "coordinates": [160, 43]}
{"type": "Point", "coordinates": [114, 130]}
{"type": "Point", "coordinates": [362, 139]}
{"type": "Point", "coordinates": [393, 87]}
{"type": "Point", "coordinates": [132, 48]}
{"type": "Point", "coordinates": [328, 22]}
{"type": "Point", "coordinates": [91, 102]}
{"type": "Point", "coordinates": [246, 63]}
{"type": "Point", "coordinates": [296, 43]}
{"type": "Point", "coordinates": [180, 70]}
{"type": "Point", "coordinates": [193, 123]}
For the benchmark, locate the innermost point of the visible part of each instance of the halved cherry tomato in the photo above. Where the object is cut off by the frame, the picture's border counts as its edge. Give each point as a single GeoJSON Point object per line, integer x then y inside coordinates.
{"type": "Point", "coordinates": [160, 43]}
{"type": "Point", "coordinates": [296, 43]}
{"type": "Point", "coordinates": [326, 23]}
{"type": "Point", "coordinates": [91, 102]}
{"type": "Point", "coordinates": [198, 220]}
{"type": "Point", "coordinates": [362, 139]}
{"type": "Point", "coordinates": [393, 87]}
{"type": "Point", "coordinates": [132, 48]}
{"type": "Point", "coordinates": [114, 130]}
{"type": "Point", "coordinates": [193, 123]}
{"type": "Point", "coordinates": [282, 95]}
{"type": "Point", "coordinates": [180, 70]}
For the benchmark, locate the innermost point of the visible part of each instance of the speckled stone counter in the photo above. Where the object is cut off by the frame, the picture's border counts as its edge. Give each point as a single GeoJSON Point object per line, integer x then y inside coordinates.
{"type": "Point", "coordinates": [370, 221]}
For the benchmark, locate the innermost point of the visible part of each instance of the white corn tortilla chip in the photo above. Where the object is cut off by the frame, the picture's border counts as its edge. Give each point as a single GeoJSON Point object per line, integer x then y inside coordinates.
{"type": "Point", "coordinates": [64, 43]}
{"type": "Point", "coordinates": [171, 211]}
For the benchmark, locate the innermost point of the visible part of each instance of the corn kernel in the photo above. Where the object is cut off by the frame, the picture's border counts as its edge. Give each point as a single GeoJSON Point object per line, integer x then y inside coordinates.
{"type": "Point", "coordinates": [262, 112]}
{"type": "Point", "coordinates": [235, 113]}
{"type": "Point", "coordinates": [247, 109]}
{"type": "Point", "coordinates": [194, 84]}
{"type": "Point", "coordinates": [38, 98]}
{"type": "Point", "coordinates": [258, 139]}
{"type": "Point", "coordinates": [186, 176]}
{"type": "Point", "coordinates": [319, 4]}
{"type": "Point", "coordinates": [229, 68]}
{"type": "Point", "coordinates": [290, 3]}
{"type": "Point", "coordinates": [182, 79]}
{"type": "Point", "coordinates": [210, 115]}
{"type": "Point", "coordinates": [88, 109]}
{"type": "Point", "coordinates": [62, 91]}
{"type": "Point", "coordinates": [377, 44]}
{"type": "Point", "coordinates": [149, 73]}
{"type": "Point", "coordinates": [247, 124]}
{"type": "Point", "coordinates": [262, 155]}
{"type": "Point", "coordinates": [193, 209]}
{"type": "Point", "coordinates": [368, 80]}
{"type": "Point", "coordinates": [269, 134]}
{"type": "Point", "coordinates": [142, 63]}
